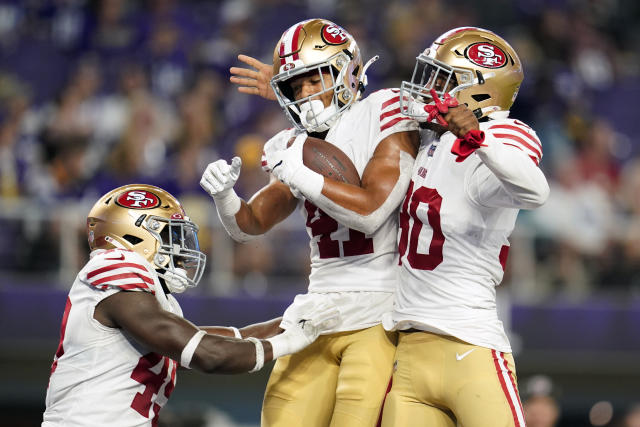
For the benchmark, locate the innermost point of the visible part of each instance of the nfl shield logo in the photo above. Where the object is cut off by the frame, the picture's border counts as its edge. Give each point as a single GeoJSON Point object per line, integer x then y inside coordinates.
{"type": "Point", "coordinates": [432, 148]}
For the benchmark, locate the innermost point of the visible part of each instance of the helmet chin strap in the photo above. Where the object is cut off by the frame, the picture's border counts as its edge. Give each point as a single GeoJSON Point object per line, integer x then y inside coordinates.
{"type": "Point", "coordinates": [176, 280]}
{"type": "Point", "coordinates": [315, 117]}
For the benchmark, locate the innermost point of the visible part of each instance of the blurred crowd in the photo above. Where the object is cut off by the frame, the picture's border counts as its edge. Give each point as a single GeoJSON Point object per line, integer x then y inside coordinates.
{"type": "Point", "coordinates": [96, 94]}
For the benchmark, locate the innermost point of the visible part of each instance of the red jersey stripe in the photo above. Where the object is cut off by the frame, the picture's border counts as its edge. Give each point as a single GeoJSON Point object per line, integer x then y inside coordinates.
{"type": "Point", "coordinates": [120, 277]}
{"type": "Point", "coordinates": [393, 122]}
{"type": "Point", "coordinates": [115, 266]}
{"type": "Point", "coordinates": [390, 113]}
{"type": "Point", "coordinates": [520, 130]}
{"type": "Point", "coordinates": [535, 150]}
{"type": "Point", "coordinates": [390, 102]}
{"type": "Point", "coordinates": [535, 159]}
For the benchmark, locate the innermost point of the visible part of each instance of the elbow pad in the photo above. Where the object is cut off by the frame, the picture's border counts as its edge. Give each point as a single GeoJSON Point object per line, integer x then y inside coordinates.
{"type": "Point", "coordinates": [368, 224]}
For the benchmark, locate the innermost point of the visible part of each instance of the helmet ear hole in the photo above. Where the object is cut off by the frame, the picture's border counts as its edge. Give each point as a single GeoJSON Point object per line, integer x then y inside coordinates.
{"type": "Point", "coordinates": [134, 240]}
{"type": "Point", "coordinates": [480, 97]}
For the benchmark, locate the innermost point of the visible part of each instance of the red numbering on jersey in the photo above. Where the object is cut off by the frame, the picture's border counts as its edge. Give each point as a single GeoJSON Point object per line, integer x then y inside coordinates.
{"type": "Point", "coordinates": [410, 235]}
{"type": "Point", "coordinates": [145, 375]}
{"type": "Point", "coordinates": [63, 329]}
{"type": "Point", "coordinates": [323, 225]}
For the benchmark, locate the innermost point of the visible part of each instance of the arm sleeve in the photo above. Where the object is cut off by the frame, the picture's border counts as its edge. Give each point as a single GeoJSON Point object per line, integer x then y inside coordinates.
{"type": "Point", "coordinates": [385, 119]}
{"type": "Point", "coordinates": [370, 223]}
{"type": "Point", "coordinates": [509, 175]}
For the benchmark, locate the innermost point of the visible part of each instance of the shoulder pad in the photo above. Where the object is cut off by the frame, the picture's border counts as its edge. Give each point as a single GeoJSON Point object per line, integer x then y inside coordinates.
{"type": "Point", "coordinates": [119, 269]}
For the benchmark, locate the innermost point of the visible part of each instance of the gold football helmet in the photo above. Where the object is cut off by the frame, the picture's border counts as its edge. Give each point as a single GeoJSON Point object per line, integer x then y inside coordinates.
{"type": "Point", "coordinates": [476, 66]}
{"type": "Point", "coordinates": [151, 222]}
{"type": "Point", "coordinates": [319, 46]}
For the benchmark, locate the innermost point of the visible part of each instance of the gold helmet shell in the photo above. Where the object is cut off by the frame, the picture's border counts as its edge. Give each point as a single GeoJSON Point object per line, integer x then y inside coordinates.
{"type": "Point", "coordinates": [322, 46]}
{"type": "Point", "coordinates": [151, 222]}
{"type": "Point", "coordinates": [475, 65]}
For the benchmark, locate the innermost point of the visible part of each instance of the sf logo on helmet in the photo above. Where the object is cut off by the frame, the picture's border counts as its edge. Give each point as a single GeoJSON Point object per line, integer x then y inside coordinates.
{"type": "Point", "coordinates": [332, 34]}
{"type": "Point", "coordinates": [138, 199]}
{"type": "Point", "coordinates": [486, 55]}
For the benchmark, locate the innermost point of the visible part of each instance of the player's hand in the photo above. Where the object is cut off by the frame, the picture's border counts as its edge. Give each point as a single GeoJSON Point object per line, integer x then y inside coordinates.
{"type": "Point", "coordinates": [285, 164]}
{"type": "Point", "coordinates": [253, 82]}
{"type": "Point", "coordinates": [324, 316]}
{"type": "Point", "coordinates": [219, 177]}
{"type": "Point", "coordinates": [460, 120]}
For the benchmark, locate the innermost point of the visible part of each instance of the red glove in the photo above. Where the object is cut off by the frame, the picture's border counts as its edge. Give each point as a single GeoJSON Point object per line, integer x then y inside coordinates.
{"type": "Point", "coordinates": [440, 108]}
{"type": "Point", "coordinates": [463, 147]}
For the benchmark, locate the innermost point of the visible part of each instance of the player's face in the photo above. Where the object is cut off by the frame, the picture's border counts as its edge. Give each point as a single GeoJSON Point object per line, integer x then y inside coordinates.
{"type": "Point", "coordinates": [311, 83]}
{"type": "Point", "coordinates": [441, 81]}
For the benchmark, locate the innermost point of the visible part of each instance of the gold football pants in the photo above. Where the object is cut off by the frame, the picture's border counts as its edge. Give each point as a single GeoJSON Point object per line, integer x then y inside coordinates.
{"type": "Point", "coordinates": [439, 380]}
{"type": "Point", "coordinates": [340, 381]}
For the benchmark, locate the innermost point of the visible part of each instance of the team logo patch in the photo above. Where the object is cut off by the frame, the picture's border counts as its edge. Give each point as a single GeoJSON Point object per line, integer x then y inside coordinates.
{"type": "Point", "coordinates": [332, 34]}
{"type": "Point", "coordinates": [486, 55]}
{"type": "Point", "coordinates": [138, 199]}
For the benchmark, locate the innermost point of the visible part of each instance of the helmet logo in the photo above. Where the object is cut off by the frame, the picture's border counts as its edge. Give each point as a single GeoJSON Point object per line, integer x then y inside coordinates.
{"type": "Point", "coordinates": [486, 55]}
{"type": "Point", "coordinates": [138, 199]}
{"type": "Point", "coordinates": [177, 215]}
{"type": "Point", "coordinates": [288, 66]}
{"type": "Point", "coordinates": [332, 34]}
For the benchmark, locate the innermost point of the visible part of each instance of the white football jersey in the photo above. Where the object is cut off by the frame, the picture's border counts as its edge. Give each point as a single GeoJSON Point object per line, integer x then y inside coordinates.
{"type": "Point", "coordinates": [453, 245]}
{"type": "Point", "coordinates": [100, 376]}
{"type": "Point", "coordinates": [344, 259]}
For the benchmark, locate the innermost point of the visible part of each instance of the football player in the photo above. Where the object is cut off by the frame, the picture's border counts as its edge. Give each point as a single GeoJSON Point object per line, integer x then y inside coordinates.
{"type": "Point", "coordinates": [318, 79]}
{"type": "Point", "coordinates": [123, 335]}
{"type": "Point", "coordinates": [475, 169]}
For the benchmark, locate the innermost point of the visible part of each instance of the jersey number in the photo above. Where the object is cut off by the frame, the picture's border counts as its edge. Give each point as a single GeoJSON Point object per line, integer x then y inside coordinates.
{"type": "Point", "coordinates": [323, 225]}
{"type": "Point", "coordinates": [144, 374]}
{"type": "Point", "coordinates": [410, 234]}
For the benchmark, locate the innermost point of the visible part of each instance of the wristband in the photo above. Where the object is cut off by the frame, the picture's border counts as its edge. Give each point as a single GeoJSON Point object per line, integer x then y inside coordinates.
{"type": "Point", "coordinates": [259, 354]}
{"type": "Point", "coordinates": [227, 202]}
{"type": "Point", "coordinates": [279, 345]}
{"type": "Point", "coordinates": [190, 348]}
{"type": "Point", "coordinates": [309, 183]}
{"type": "Point", "coordinates": [236, 332]}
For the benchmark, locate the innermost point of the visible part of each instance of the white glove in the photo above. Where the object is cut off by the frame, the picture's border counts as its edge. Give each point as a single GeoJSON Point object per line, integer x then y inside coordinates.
{"type": "Point", "coordinates": [218, 180]}
{"type": "Point", "coordinates": [287, 166]}
{"type": "Point", "coordinates": [325, 316]}
{"type": "Point", "coordinates": [285, 163]}
{"type": "Point", "coordinates": [219, 177]}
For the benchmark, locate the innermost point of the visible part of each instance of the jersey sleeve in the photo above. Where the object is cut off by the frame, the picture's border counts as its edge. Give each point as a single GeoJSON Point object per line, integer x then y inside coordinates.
{"type": "Point", "coordinates": [509, 175]}
{"type": "Point", "coordinates": [516, 134]}
{"type": "Point", "coordinates": [388, 118]}
{"type": "Point", "coordinates": [121, 271]}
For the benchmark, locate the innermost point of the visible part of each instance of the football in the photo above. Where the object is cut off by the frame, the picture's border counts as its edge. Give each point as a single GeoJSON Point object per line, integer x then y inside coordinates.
{"type": "Point", "coordinates": [328, 160]}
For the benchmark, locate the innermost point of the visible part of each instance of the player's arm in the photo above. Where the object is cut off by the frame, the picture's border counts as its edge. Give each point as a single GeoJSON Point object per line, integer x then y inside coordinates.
{"type": "Point", "coordinates": [245, 220]}
{"type": "Point", "coordinates": [364, 208]}
{"type": "Point", "coordinates": [260, 330]}
{"type": "Point", "coordinates": [510, 176]}
{"type": "Point", "coordinates": [142, 317]}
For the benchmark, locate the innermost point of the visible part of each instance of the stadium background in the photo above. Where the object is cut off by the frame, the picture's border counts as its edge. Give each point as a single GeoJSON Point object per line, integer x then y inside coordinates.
{"type": "Point", "coordinates": [95, 94]}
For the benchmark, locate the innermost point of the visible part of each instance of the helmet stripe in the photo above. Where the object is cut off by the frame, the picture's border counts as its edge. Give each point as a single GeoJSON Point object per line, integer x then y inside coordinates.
{"type": "Point", "coordinates": [289, 44]}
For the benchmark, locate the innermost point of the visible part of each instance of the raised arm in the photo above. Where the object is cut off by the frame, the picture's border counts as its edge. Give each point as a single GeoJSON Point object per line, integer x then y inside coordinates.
{"type": "Point", "coordinates": [245, 220]}
{"type": "Point", "coordinates": [253, 82]}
